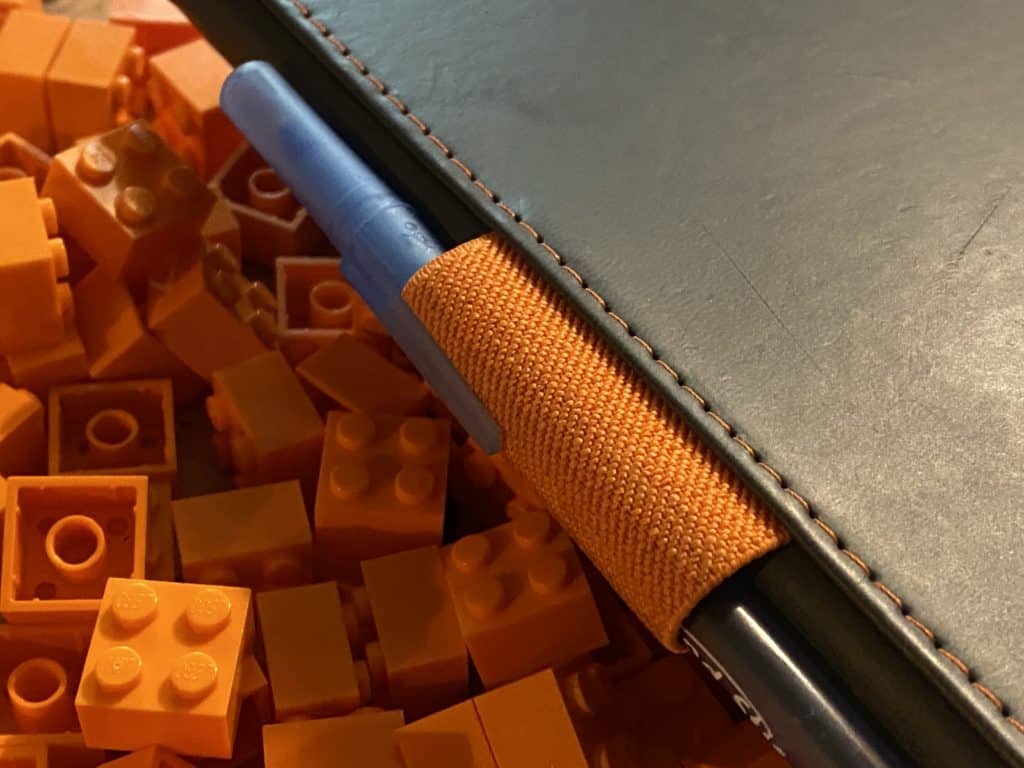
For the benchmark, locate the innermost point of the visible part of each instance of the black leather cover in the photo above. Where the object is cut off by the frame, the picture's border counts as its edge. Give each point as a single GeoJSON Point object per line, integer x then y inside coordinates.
{"type": "Point", "coordinates": [801, 220]}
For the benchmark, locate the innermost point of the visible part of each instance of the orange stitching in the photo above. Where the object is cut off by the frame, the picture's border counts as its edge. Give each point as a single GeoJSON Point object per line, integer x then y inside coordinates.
{"type": "Point", "coordinates": [440, 145]}
{"type": "Point", "coordinates": [403, 109]}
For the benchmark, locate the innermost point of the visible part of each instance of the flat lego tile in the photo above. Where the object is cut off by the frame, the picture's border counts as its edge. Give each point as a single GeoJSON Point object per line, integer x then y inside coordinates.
{"type": "Point", "coordinates": [522, 599]}
{"type": "Point", "coordinates": [29, 41]}
{"type": "Point", "coordinates": [314, 304]}
{"type": "Point", "coordinates": [63, 538]}
{"type": "Point", "coordinates": [32, 260]}
{"type": "Point", "coordinates": [453, 738]}
{"type": "Point", "coordinates": [119, 427]}
{"type": "Point", "coordinates": [62, 750]}
{"type": "Point", "coordinates": [527, 725]}
{"type": "Point", "coordinates": [22, 432]}
{"type": "Point", "coordinates": [424, 656]}
{"type": "Point", "coordinates": [359, 378]}
{"type": "Point", "coordinates": [158, 24]}
{"type": "Point", "coordinates": [257, 537]}
{"type": "Point", "coordinates": [19, 157]}
{"type": "Point", "coordinates": [164, 667]}
{"type": "Point", "coordinates": [381, 489]}
{"type": "Point", "coordinates": [309, 659]}
{"type": "Point", "coordinates": [362, 740]}
{"type": "Point", "coordinates": [149, 757]}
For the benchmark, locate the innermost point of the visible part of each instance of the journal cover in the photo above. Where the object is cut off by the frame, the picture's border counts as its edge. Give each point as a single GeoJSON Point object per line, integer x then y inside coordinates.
{"type": "Point", "coordinates": [799, 221]}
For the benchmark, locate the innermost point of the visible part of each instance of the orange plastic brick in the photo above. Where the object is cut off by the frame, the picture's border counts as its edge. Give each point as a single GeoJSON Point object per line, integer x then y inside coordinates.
{"type": "Point", "coordinates": [595, 717]}
{"type": "Point", "coordinates": [381, 490]}
{"type": "Point", "coordinates": [423, 657]}
{"type": "Point", "coordinates": [91, 78]}
{"type": "Point", "coordinates": [31, 262]}
{"type": "Point", "coordinates": [118, 427]}
{"type": "Point", "coordinates": [222, 226]}
{"type": "Point", "coordinates": [19, 158]}
{"type": "Point", "coordinates": [158, 24]}
{"type": "Point", "coordinates": [129, 201]}
{"type": "Point", "coordinates": [211, 316]}
{"type": "Point", "coordinates": [309, 660]}
{"type": "Point", "coordinates": [163, 667]}
{"type": "Point", "coordinates": [256, 537]}
{"type": "Point", "coordinates": [22, 438]}
{"type": "Point", "coordinates": [527, 725]}
{"type": "Point", "coordinates": [272, 222]}
{"type": "Point", "coordinates": [254, 689]}
{"type": "Point", "coordinates": [361, 740]}
{"type": "Point", "coordinates": [314, 305]}
{"type": "Point", "coordinates": [477, 488]}
{"type": "Point", "coordinates": [742, 747]}
{"type": "Point", "coordinates": [28, 43]}
{"type": "Point", "coordinates": [521, 597]}
{"type": "Point", "coordinates": [150, 757]}
{"type": "Point", "coordinates": [268, 429]}
{"type": "Point", "coordinates": [40, 696]}
{"type": "Point", "coordinates": [514, 479]}
{"type": "Point", "coordinates": [6, 6]}
{"type": "Point", "coordinates": [45, 367]}
{"type": "Point", "coordinates": [31, 754]}
{"type": "Point", "coordinates": [160, 560]}
{"type": "Point", "coordinates": [63, 537]}
{"type": "Point", "coordinates": [453, 737]}
{"type": "Point", "coordinates": [62, 750]}
{"type": "Point", "coordinates": [184, 89]}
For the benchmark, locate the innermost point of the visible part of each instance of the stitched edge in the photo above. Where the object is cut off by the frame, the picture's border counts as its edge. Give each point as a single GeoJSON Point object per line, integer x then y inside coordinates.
{"type": "Point", "coordinates": [383, 89]}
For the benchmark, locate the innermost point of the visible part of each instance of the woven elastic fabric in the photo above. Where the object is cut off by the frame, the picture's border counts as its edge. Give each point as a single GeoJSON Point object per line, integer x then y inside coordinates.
{"type": "Point", "coordinates": [658, 513]}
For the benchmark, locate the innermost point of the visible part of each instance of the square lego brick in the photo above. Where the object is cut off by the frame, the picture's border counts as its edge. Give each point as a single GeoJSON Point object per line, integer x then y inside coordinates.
{"type": "Point", "coordinates": [63, 538]}
{"type": "Point", "coordinates": [309, 656]}
{"type": "Point", "coordinates": [129, 201]}
{"type": "Point", "coordinates": [357, 377]}
{"type": "Point", "coordinates": [419, 642]}
{"type": "Point", "coordinates": [89, 81]}
{"type": "Point", "coordinates": [362, 740]}
{"type": "Point", "coordinates": [19, 158]}
{"type": "Point", "coordinates": [22, 432]}
{"type": "Point", "coordinates": [272, 222]}
{"type": "Point", "coordinates": [163, 667]}
{"type": "Point", "coordinates": [381, 489]}
{"type": "Point", "coordinates": [257, 537]}
{"type": "Point", "coordinates": [314, 305]}
{"type": "Point", "coordinates": [452, 737]}
{"type": "Point", "coordinates": [32, 260]}
{"type": "Point", "coordinates": [119, 427]}
{"type": "Point", "coordinates": [158, 24]}
{"type": "Point", "coordinates": [522, 598]}
{"type": "Point", "coordinates": [29, 41]}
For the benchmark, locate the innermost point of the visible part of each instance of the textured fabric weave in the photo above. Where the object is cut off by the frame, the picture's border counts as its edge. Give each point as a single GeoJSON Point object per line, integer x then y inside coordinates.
{"type": "Point", "coordinates": [661, 516]}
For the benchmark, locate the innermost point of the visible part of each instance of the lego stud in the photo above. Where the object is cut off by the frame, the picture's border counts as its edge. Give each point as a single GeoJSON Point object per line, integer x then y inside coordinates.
{"type": "Point", "coordinates": [354, 431]}
{"type": "Point", "coordinates": [330, 305]}
{"type": "Point", "coordinates": [268, 194]}
{"type": "Point", "coordinates": [49, 213]}
{"type": "Point", "coordinates": [413, 484]}
{"type": "Point", "coordinates": [193, 676]}
{"type": "Point", "coordinates": [141, 140]}
{"type": "Point", "coordinates": [40, 701]}
{"type": "Point", "coordinates": [264, 325]}
{"type": "Point", "coordinates": [531, 528]}
{"type": "Point", "coordinates": [112, 436]}
{"type": "Point", "coordinates": [471, 553]}
{"type": "Point", "coordinates": [76, 547]}
{"type": "Point", "coordinates": [547, 575]}
{"type": "Point", "coordinates": [118, 670]}
{"type": "Point", "coordinates": [121, 96]}
{"type": "Point", "coordinates": [135, 63]}
{"type": "Point", "coordinates": [135, 206]}
{"type": "Point", "coordinates": [208, 612]}
{"type": "Point", "coordinates": [59, 256]}
{"type": "Point", "coordinates": [134, 606]}
{"type": "Point", "coordinates": [181, 182]}
{"type": "Point", "coordinates": [349, 479]}
{"type": "Point", "coordinates": [96, 164]}
{"type": "Point", "coordinates": [219, 257]}
{"type": "Point", "coordinates": [417, 436]}
{"type": "Point", "coordinates": [484, 598]}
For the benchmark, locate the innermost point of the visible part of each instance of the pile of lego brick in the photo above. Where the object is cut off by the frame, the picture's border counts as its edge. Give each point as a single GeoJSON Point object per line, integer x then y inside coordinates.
{"type": "Point", "coordinates": [368, 588]}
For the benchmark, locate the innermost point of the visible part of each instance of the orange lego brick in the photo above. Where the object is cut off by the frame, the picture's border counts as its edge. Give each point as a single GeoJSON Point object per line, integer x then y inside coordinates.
{"type": "Point", "coordinates": [40, 696]}
{"type": "Point", "coordinates": [595, 717]}
{"type": "Point", "coordinates": [63, 537]}
{"type": "Point", "coordinates": [62, 750]}
{"type": "Point", "coordinates": [30, 754]}
{"type": "Point", "coordinates": [211, 316]}
{"type": "Point", "coordinates": [477, 489]}
{"type": "Point", "coordinates": [29, 41]}
{"type": "Point", "coordinates": [309, 660]}
{"type": "Point", "coordinates": [267, 425]}
{"type": "Point", "coordinates": [527, 725]}
{"type": "Point", "coordinates": [522, 599]}
{"type": "Point", "coordinates": [362, 740]}
{"type": "Point", "coordinates": [453, 737]}
{"type": "Point", "coordinates": [164, 667]}
{"type": "Point", "coordinates": [222, 226]}
{"type": "Point", "coordinates": [149, 757]}
{"type": "Point", "coordinates": [6, 6]}
{"type": "Point", "coordinates": [32, 260]}
{"type": "Point", "coordinates": [424, 658]}
{"type": "Point", "coordinates": [39, 369]}
{"type": "Point", "coordinates": [22, 437]}
{"type": "Point", "coordinates": [255, 537]}
{"type": "Point", "coordinates": [358, 378]}
{"type": "Point", "coordinates": [90, 80]}
{"type": "Point", "coordinates": [160, 550]}
{"type": "Point", "coordinates": [158, 24]}
{"type": "Point", "coordinates": [314, 305]}
{"type": "Point", "coordinates": [381, 489]}
{"type": "Point", "coordinates": [20, 158]}
{"type": "Point", "coordinates": [129, 201]}
{"type": "Point", "coordinates": [254, 688]}
{"type": "Point", "coordinates": [513, 478]}
{"type": "Point", "coordinates": [272, 222]}
{"type": "Point", "coordinates": [111, 428]}
{"type": "Point", "coordinates": [184, 89]}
